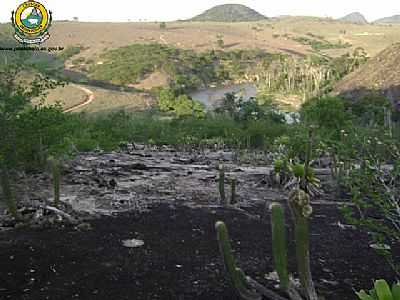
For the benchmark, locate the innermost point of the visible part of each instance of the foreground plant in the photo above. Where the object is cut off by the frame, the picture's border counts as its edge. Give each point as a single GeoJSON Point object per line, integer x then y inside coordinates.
{"type": "Point", "coordinates": [381, 291]}
{"type": "Point", "coordinates": [248, 288]}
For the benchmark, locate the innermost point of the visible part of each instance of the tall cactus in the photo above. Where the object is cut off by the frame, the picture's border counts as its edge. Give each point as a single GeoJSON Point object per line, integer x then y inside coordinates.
{"type": "Point", "coordinates": [301, 209]}
{"type": "Point", "coordinates": [56, 179]}
{"type": "Point", "coordinates": [237, 277]}
{"type": "Point", "coordinates": [221, 184]}
{"type": "Point", "coordinates": [279, 244]}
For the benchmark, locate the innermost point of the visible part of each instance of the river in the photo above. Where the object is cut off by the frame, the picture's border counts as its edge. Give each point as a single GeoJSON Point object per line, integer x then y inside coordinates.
{"type": "Point", "coordinates": [211, 96]}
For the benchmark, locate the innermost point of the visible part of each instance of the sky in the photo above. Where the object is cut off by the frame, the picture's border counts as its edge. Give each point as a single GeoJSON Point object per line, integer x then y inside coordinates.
{"type": "Point", "coordinates": [169, 10]}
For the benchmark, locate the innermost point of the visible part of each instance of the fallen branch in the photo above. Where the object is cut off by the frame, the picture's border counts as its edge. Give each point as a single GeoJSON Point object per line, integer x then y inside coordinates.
{"type": "Point", "coordinates": [60, 213]}
{"type": "Point", "coordinates": [263, 290]}
{"type": "Point", "coordinates": [292, 291]}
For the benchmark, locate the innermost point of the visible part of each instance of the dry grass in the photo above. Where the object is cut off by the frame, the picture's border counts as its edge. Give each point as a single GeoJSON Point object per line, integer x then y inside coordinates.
{"type": "Point", "coordinates": [68, 96]}
{"type": "Point", "coordinates": [106, 100]}
{"type": "Point", "coordinates": [380, 73]}
{"type": "Point", "coordinates": [268, 35]}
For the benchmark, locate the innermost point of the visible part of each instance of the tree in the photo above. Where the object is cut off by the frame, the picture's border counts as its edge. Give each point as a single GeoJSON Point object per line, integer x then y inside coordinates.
{"type": "Point", "coordinates": [15, 97]}
{"type": "Point", "coordinates": [163, 25]}
{"type": "Point", "coordinates": [76, 19]}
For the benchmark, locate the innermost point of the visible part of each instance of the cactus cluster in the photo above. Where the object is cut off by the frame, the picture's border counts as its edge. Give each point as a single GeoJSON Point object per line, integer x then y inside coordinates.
{"type": "Point", "coordinates": [301, 211]}
{"type": "Point", "coordinates": [221, 187]}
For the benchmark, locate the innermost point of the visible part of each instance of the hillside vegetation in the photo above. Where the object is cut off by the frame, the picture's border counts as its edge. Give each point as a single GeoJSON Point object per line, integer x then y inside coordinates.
{"type": "Point", "coordinates": [230, 13]}
{"type": "Point", "coordinates": [185, 69]}
{"type": "Point", "coordinates": [381, 75]}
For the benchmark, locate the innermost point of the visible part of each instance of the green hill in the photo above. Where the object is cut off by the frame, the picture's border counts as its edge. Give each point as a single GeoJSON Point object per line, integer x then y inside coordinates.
{"type": "Point", "coordinates": [355, 18]}
{"type": "Point", "coordinates": [230, 13]}
{"type": "Point", "coordinates": [389, 20]}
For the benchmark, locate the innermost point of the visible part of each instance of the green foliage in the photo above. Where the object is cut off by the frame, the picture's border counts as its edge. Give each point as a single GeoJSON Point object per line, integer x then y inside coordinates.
{"type": "Point", "coordinates": [24, 130]}
{"type": "Point", "coordinates": [185, 69]}
{"type": "Point", "coordinates": [279, 244]}
{"type": "Point", "coordinates": [370, 110]}
{"type": "Point", "coordinates": [328, 113]}
{"type": "Point", "coordinates": [69, 52]}
{"type": "Point", "coordinates": [163, 25]}
{"type": "Point", "coordinates": [381, 291]}
{"type": "Point", "coordinates": [321, 44]}
{"type": "Point", "coordinates": [181, 106]}
{"type": "Point", "coordinates": [248, 110]}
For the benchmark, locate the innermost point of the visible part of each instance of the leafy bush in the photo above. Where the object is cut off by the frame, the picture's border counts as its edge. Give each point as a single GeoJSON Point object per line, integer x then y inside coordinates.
{"type": "Point", "coordinates": [328, 113]}
{"type": "Point", "coordinates": [321, 44]}
{"type": "Point", "coordinates": [181, 106]}
{"type": "Point", "coordinates": [381, 291]}
{"type": "Point", "coordinates": [69, 52]}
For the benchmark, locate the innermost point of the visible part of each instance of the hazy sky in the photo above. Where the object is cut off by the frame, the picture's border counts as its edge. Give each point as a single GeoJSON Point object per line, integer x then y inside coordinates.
{"type": "Point", "coordinates": [168, 10]}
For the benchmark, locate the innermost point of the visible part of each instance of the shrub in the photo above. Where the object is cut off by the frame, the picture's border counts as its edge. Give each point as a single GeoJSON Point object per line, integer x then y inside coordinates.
{"type": "Point", "coordinates": [328, 113]}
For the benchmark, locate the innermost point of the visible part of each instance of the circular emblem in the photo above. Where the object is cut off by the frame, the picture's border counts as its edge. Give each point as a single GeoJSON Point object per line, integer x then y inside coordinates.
{"type": "Point", "coordinates": [31, 21]}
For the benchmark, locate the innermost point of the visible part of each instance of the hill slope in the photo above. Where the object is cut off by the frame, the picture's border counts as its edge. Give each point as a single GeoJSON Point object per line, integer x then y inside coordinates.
{"type": "Point", "coordinates": [230, 13]}
{"type": "Point", "coordinates": [355, 18]}
{"type": "Point", "coordinates": [389, 20]}
{"type": "Point", "coordinates": [379, 75]}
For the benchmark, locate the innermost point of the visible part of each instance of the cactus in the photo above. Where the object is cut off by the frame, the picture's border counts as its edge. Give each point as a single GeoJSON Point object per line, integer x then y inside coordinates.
{"type": "Point", "coordinates": [221, 184]}
{"type": "Point", "coordinates": [237, 277]}
{"type": "Point", "coordinates": [301, 209]}
{"type": "Point", "coordinates": [279, 244]}
{"type": "Point", "coordinates": [56, 177]}
{"type": "Point", "coordinates": [233, 190]}
{"type": "Point", "coordinates": [8, 194]}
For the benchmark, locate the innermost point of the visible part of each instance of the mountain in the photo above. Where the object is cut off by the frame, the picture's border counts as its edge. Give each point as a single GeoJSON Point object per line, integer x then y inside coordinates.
{"type": "Point", "coordinates": [230, 13]}
{"type": "Point", "coordinates": [389, 20]}
{"type": "Point", "coordinates": [355, 18]}
{"type": "Point", "coordinates": [380, 75]}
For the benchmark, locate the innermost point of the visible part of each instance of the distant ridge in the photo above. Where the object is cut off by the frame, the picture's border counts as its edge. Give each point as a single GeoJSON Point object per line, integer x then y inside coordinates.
{"type": "Point", "coordinates": [389, 20]}
{"type": "Point", "coordinates": [229, 13]}
{"type": "Point", "coordinates": [355, 18]}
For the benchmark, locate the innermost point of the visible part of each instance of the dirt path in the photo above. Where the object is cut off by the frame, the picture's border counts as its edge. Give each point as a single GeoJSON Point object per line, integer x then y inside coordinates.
{"type": "Point", "coordinates": [88, 99]}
